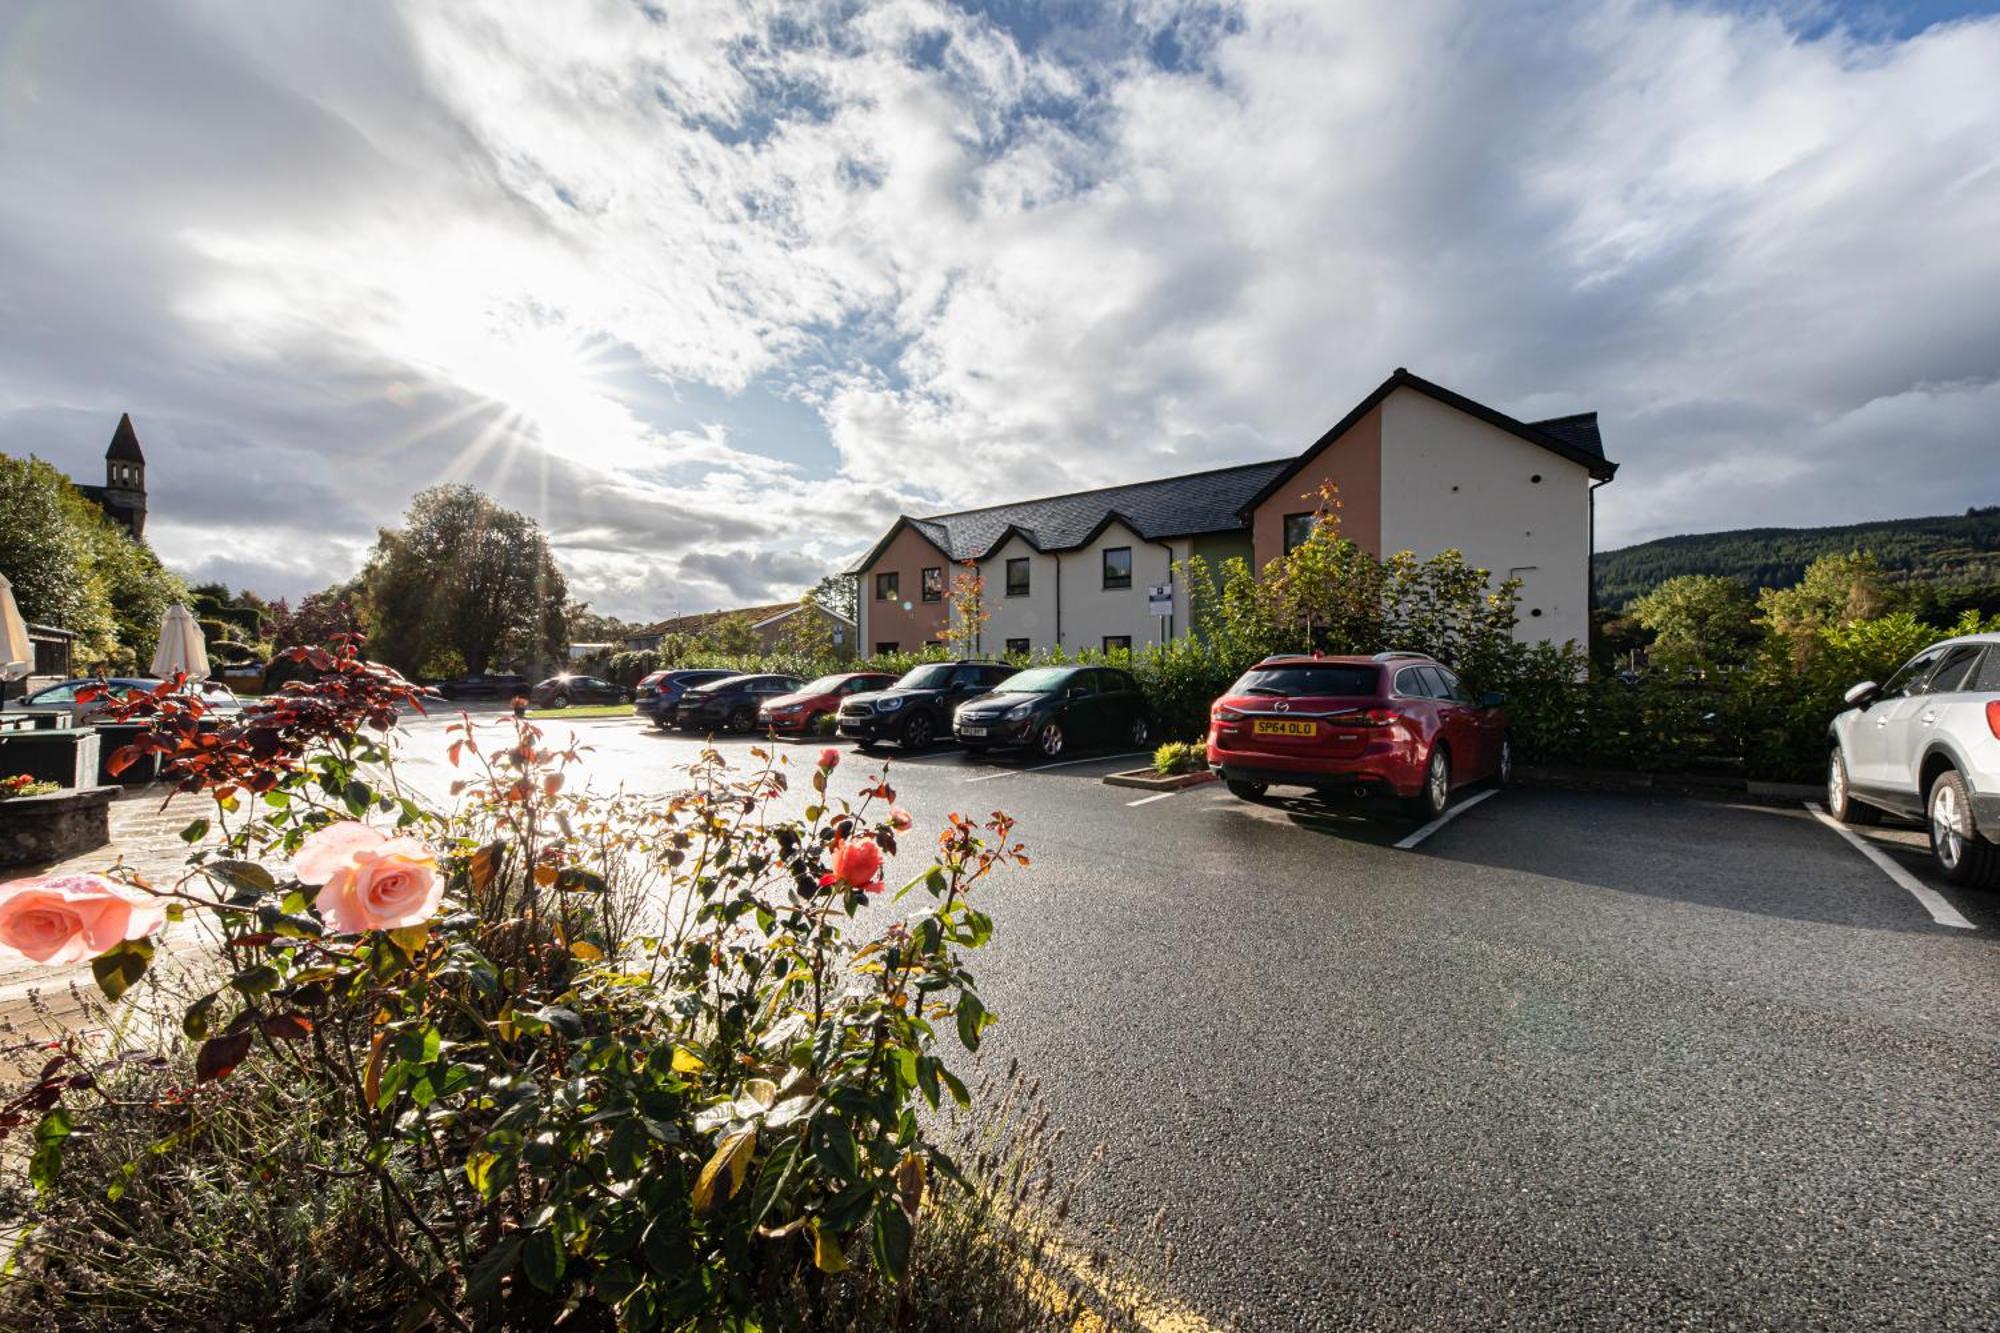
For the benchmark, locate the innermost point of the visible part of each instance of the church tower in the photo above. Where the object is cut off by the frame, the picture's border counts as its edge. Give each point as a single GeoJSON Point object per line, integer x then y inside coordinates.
{"type": "Point", "coordinates": [125, 478]}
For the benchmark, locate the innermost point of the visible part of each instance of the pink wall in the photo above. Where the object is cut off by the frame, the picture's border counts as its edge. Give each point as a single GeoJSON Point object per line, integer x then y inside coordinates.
{"type": "Point", "coordinates": [1354, 463]}
{"type": "Point", "coordinates": [887, 622]}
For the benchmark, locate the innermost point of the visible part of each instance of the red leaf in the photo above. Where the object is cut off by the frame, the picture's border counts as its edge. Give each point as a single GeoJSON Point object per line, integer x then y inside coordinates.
{"type": "Point", "coordinates": [219, 1056]}
{"type": "Point", "coordinates": [287, 1027]}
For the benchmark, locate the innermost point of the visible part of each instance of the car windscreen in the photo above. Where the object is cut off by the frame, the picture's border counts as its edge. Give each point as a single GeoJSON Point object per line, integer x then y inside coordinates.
{"type": "Point", "coordinates": [1310, 679]}
{"type": "Point", "coordinates": [1040, 680]}
{"type": "Point", "coordinates": [930, 676]}
{"type": "Point", "coordinates": [718, 686]}
{"type": "Point", "coordinates": [824, 685]}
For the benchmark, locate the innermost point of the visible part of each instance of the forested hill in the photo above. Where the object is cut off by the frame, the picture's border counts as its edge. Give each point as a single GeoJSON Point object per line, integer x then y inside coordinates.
{"type": "Point", "coordinates": [1955, 549]}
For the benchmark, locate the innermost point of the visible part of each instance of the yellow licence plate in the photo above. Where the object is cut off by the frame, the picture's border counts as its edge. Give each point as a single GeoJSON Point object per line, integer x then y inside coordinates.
{"type": "Point", "coordinates": [1272, 726]}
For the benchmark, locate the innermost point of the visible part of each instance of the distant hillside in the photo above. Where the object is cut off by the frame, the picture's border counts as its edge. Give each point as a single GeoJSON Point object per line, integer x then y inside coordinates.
{"type": "Point", "coordinates": [1957, 549]}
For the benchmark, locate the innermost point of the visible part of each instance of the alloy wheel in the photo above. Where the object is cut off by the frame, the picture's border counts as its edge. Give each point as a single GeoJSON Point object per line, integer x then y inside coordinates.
{"type": "Point", "coordinates": [1052, 739]}
{"type": "Point", "coordinates": [1947, 836]}
{"type": "Point", "coordinates": [1506, 761]}
{"type": "Point", "coordinates": [1836, 784]}
{"type": "Point", "coordinates": [1437, 783]}
{"type": "Point", "coordinates": [1141, 733]}
{"type": "Point", "coordinates": [917, 732]}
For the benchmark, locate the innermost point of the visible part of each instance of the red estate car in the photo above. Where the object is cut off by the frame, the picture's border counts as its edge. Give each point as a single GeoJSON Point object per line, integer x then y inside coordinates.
{"type": "Point", "coordinates": [1393, 724]}
{"type": "Point", "coordinates": [798, 711]}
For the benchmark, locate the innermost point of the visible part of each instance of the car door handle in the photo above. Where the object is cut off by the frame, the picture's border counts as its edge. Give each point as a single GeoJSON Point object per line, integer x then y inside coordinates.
{"type": "Point", "coordinates": [1930, 716]}
{"type": "Point", "coordinates": [1882, 721]}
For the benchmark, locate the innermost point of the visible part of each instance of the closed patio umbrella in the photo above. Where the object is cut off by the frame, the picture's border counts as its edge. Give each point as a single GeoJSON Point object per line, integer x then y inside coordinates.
{"type": "Point", "coordinates": [17, 655]}
{"type": "Point", "coordinates": [182, 647]}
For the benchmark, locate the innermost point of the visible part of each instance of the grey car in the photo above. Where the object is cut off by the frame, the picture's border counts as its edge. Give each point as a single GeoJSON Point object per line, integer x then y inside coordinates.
{"type": "Point", "coordinates": [1926, 744]}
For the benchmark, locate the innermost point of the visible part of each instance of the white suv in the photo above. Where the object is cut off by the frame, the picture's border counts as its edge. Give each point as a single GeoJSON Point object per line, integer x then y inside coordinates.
{"type": "Point", "coordinates": [1927, 745]}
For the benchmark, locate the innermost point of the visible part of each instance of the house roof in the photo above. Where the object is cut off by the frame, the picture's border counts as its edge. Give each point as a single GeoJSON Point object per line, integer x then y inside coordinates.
{"type": "Point", "coordinates": [1183, 506]}
{"type": "Point", "coordinates": [703, 620]}
{"type": "Point", "coordinates": [797, 607]}
{"type": "Point", "coordinates": [1573, 437]}
{"type": "Point", "coordinates": [125, 442]}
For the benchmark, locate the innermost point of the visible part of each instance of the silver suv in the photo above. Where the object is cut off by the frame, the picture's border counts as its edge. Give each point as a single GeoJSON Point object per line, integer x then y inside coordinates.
{"type": "Point", "coordinates": [1927, 745]}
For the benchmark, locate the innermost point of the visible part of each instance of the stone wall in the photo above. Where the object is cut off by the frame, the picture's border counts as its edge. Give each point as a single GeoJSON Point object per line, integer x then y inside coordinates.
{"type": "Point", "coordinates": [38, 830]}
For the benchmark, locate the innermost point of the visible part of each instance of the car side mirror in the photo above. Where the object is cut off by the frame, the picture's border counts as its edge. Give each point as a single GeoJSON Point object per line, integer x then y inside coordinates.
{"type": "Point", "coordinates": [1863, 694]}
{"type": "Point", "coordinates": [1492, 699]}
{"type": "Point", "coordinates": [1077, 691]}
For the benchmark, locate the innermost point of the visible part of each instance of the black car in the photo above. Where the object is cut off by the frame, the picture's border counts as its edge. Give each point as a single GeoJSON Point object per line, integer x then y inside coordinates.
{"type": "Point", "coordinates": [657, 695]}
{"type": "Point", "coordinates": [917, 709]}
{"type": "Point", "coordinates": [1058, 708]}
{"type": "Point", "coordinates": [483, 687]}
{"type": "Point", "coordinates": [731, 704]}
{"type": "Point", "coordinates": [562, 691]}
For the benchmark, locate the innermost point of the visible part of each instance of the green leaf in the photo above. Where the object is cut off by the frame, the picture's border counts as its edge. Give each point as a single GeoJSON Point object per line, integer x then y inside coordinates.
{"type": "Point", "coordinates": [195, 831]}
{"type": "Point", "coordinates": [826, 1249]}
{"type": "Point", "coordinates": [972, 1017]}
{"type": "Point", "coordinates": [833, 1146]}
{"type": "Point", "coordinates": [893, 1234]}
{"type": "Point", "coordinates": [356, 796]}
{"type": "Point", "coordinates": [542, 1259]}
{"type": "Point", "coordinates": [483, 1282]}
{"type": "Point", "coordinates": [244, 876]}
{"type": "Point", "coordinates": [259, 980]}
{"type": "Point", "coordinates": [119, 967]}
{"type": "Point", "coordinates": [195, 1021]}
{"type": "Point", "coordinates": [958, 1090]}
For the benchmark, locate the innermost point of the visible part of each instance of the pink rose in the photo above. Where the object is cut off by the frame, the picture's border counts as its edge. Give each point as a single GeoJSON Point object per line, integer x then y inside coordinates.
{"type": "Point", "coordinates": [857, 863]}
{"type": "Point", "coordinates": [69, 918]}
{"type": "Point", "coordinates": [370, 880]}
{"type": "Point", "coordinates": [899, 819]}
{"type": "Point", "coordinates": [829, 758]}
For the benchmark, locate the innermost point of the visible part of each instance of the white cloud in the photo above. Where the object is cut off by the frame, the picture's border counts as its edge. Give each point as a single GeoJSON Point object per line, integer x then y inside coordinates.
{"type": "Point", "coordinates": [373, 250]}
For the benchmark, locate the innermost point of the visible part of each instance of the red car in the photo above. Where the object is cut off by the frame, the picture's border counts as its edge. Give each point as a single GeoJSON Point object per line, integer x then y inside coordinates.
{"type": "Point", "coordinates": [799, 712]}
{"type": "Point", "coordinates": [1394, 724]}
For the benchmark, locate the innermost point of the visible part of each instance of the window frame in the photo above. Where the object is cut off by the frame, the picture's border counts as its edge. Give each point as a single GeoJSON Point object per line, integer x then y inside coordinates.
{"type": "Point", "coordinates": [1285, 530]}
{"type": "Point", "coordinates": [1025, 646]}
{"type": "Point", "coordinates": [1104, 566]}
{"type": "Point", "coordinates": [1972, 654]}
{"type": "Point", "coordinates": [892, 580]}
{"type": "Point", "coordinates": [885, 649]}
{"type": "Point", "coordinates": [1115, 643]}
{"type": "Point", "coordinates": [1026, 567]}
{"type": "Point", "coordinates": [1907, 680]}
{"type": "Point", "coordinates": [931, 592]}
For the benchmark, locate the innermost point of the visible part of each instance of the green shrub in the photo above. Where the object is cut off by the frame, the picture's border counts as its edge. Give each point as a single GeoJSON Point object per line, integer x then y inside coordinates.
{"type": "Point", "coordinates": [1179, 757]}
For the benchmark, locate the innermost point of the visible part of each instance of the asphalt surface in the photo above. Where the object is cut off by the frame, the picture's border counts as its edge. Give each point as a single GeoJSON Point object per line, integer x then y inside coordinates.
{"type": "Point", "coordinates": [1574, 1062]}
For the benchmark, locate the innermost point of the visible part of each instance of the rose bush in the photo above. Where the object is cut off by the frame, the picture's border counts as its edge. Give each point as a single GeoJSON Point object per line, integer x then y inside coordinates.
{"type": "Point", "coordinates": [600, 1059]}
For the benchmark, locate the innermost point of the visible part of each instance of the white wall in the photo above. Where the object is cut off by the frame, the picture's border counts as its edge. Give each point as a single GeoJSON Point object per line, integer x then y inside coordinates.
{"type": "Point", "coordinates": [1090, 611]}
{"type": "Point", "coordinates": [1449, 481]}
{"type": "Point", "coordinates": [1032, 617]}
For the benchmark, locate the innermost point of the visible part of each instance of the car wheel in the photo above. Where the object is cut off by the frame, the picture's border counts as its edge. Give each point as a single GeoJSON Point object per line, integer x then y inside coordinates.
{"type": "Point", "coordinates": [917, 732]}
{"type": "Point", "coordinates": [559, 701]}
{"type": "Point", "coordinates": [1430, 802]}
{"type": "Point", "coordinates": [1245, 791]}
{"type": "Point", "coordinates": [1049, 740]}
{"type": "Point", "coordinates": [743, 719]}
{"type": "Point", "coordinates": [1840, 802]}
{"type": "Point", "coordinates": [1961, 854]}
{"type": "Point", "coordinates": [1142, 731]}
{"type": "Point", "coordinates": [1503, 772]}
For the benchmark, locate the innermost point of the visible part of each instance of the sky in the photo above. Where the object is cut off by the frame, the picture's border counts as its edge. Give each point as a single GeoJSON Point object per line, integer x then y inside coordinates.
{"type": "Point", "coordinates": [715, 291]}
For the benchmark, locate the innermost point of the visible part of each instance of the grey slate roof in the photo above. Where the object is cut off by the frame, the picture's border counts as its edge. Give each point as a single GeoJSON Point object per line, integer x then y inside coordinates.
{"type": "Point", "coordinates": [1578, 431]}
{"type": "Point", "coordinates": [1170, 507]}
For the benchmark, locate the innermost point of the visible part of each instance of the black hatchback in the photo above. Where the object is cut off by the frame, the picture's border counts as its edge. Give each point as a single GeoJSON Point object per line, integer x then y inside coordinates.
{"type": "Point", "coordinates": [1053, 710]}
{"type": "Point", "coordinates": [730, 704]}
{"type": "Point", "coordinates": [917, 709]}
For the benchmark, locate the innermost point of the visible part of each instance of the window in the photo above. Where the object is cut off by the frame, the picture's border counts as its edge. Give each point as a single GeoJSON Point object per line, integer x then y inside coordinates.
{"type": "Point", "coordinates": [1017, 577]}
{"type": "Point", "coordinates": [996, 674]}
{"type": "Point", "coordinates": [882, 649]}
{"type": "Point", "coordinates": [1117, 566]}
{"type": "Point", "coordinates": [1082, 683]}
{"type": "Point", "coordinates": [1017, 645]}
{"type": "Point", "coordinates": [969, 678]}
{"type": "Point", "coordinates": [888, 587]}
{"type": "Point", "coordinates": [1331, 679]}
{"type": "Point", "coordinates": [934, 584]}
{"type": "Point", "coordinates": [1989, 674]}
{"type": "Point", "coordinates": [1952, 675]}
{"type": "Point", "coordinates": [1299, 530]}
{"type": "Point", "coordinates": [1912, 675]}
{"type": "Point", "coordinates": [1117, 643]}
{"type": "Point", "coordinates": [1410, 681]}
{"type": "Point", "coordinates": [1454, 688]}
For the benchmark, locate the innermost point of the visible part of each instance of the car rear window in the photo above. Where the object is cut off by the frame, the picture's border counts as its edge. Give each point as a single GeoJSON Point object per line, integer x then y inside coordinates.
{"type": "Point", "coordinates": [1315, 679]}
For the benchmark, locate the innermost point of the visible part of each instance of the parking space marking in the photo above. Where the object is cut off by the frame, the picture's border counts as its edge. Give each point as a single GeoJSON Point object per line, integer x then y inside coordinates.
{"type": "Point", "coordinates": [1451, 813]}
{"type": "Point", "coordinates": [1060, 763]}
{"type": "Point", "coordinates": [1148, 800]}
{"type": "Point", "coordinates": [1941, 911]}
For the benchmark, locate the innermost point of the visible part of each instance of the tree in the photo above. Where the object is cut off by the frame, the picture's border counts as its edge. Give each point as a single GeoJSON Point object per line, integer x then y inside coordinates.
{"type": "Point", "coordinates": [731, 636]}
{"type": "Point", "coordinates": [317, 618]}
{"type": "Point", "coordinates": [966, 613]}
{"type": "Point", "coordinates": [48, 558]}
{"type": "Point", "coordinates": [838, 593]}
{"type": "Point", "coordinates": [1837, 590]}
{"type": "Point", "coordinates": [461, 585]}
{"type": "Point", "coordinates": [588, 626]}
{"type": "Point", "coordinates": [1699, 619]}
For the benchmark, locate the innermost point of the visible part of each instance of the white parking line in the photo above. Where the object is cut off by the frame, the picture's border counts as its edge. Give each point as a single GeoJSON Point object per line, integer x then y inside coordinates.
{"type": "Point", "coordinates": [1148, 800]}
{"type": "Point", "coordinates": [1060, 763]}
{"type": "Point", "coordinates": [1451, 813]}
{"type": "Point", "coordinates": [1941, 911]}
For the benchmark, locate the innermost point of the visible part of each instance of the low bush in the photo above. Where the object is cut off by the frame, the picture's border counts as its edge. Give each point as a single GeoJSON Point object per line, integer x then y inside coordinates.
{"type": "Point", "coordinates": [1179, 757]}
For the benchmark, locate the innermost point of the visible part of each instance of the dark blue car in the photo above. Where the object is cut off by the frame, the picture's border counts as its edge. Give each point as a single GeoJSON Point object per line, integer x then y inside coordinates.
{"type": "Point", "coordinates": [656, 696]}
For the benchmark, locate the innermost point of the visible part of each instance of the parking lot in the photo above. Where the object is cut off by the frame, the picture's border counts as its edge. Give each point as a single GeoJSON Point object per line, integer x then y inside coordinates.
{"type": "Point", "coordinates": [1581, 1060]}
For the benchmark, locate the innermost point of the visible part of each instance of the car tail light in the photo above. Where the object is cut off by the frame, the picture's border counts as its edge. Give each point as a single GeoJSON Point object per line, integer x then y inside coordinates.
{"type": "Point", "coordinates": [1224, 713]}
{"type": "Point", "coordinates": [1377, 717]}
{"type": "Point", "coordinates": [1993, 717]}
